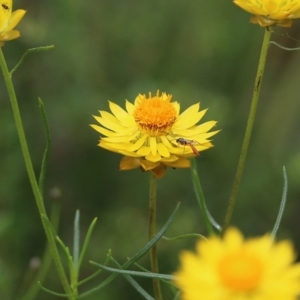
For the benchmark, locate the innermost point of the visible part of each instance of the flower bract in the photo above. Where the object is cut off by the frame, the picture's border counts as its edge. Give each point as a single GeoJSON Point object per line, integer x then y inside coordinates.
{"type": "Point", "coordinates": [271, 12]}
{"type": "Point", "coordinates": [8, 21]}
{"type": "Point", "coordinates": [152, 134]}
{"type": "Point", "coordinates": [232, 268]}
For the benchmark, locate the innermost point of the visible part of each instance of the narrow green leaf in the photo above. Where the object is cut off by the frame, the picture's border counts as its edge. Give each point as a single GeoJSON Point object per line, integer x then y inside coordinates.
{"type": "Point", "coordinates": [183, 236]}
{"type": "Point", "coordinates": [86, 241]}
{"type": "Point", "coordinates": [200, 197]}
{"type": "Point", "coordinates": [282, 204]}
{"type": "Point", "coordinates": [97, 272]}
{"type": "Point", "coordinates": [134, 284]}
{"type": "Point", "coordinates": [76, 246]}
{"type": "Point", "coordinates": [47, 149]}
{"type": "Point", "coordinates": [54, 293]}
{"type": "Point", "coordinates": [166, 281]}
{"type": "Point", "coordinates": [134, 273]}
{"type": "Point", "coordinates": [138, 255]}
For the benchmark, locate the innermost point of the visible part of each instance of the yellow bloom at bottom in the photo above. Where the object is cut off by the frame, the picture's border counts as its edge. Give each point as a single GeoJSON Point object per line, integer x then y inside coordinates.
{"type": "Point", "coordinates": [151, 133]}
{"type": "Point", "coordinates": [234, 269]}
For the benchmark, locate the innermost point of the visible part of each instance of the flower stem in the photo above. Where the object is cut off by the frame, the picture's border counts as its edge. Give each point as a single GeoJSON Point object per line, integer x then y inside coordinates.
{"type": "Point", "coordinates": [32, 178]}
{"type": "Point", "coordinates": [153, 252]}
{"type": "Point", "coordinates": [251, 118]}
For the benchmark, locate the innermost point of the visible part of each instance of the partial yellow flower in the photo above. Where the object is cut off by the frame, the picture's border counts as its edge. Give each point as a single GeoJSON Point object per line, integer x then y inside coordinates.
{"type": "Point", "coordinates": [151, 133]}
{"type": "Point", "coordinates": [271, 12]}
{"type": "Point", "coordinates": [234, 269]}
{"type": "Point", "coordinates": [8, 21]}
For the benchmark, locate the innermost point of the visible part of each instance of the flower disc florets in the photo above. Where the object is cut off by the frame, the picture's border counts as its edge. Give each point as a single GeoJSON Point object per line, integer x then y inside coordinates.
{"type": "Point", "coordinates": [151, 133]}
{"type": "Point", "coordinates": [155, 115]}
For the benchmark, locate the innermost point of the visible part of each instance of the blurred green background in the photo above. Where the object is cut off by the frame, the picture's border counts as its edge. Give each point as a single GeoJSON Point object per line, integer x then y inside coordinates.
{"type": "Point", "coordinates": [198, 51]}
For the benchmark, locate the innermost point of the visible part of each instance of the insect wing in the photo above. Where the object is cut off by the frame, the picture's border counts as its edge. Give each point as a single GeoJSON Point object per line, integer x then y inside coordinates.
{"type": "Point", "coordinates": [196, 152]}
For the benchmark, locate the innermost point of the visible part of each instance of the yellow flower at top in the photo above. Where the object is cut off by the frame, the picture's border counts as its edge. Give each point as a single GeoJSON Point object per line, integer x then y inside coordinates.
{"type": "Point", "coordinates": [234, 269]}
{"type": "Point", "coordinates": [271, 12]}
{"type": "Point", "coordinates": [8, 21]}
{"type": "Point", "coordinates": [151, 133]}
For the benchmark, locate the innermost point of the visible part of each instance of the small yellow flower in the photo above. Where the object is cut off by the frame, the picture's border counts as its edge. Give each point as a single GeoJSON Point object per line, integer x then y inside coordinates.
{"type": "Point", "coordinates": [234, 269]}
{"type": "Point", "coordinates": [8, 21]}
{"type": "Point", "coordinates": [147, 133]}
{"type": "Point", "coordinates": [271, 12]}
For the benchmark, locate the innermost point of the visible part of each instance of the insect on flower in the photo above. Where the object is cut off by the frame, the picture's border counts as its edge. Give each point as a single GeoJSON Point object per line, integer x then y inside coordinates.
{"type": "Point", "coordinates": [4, 5]}
{"type": "Point", "coordinates": [186, 142]}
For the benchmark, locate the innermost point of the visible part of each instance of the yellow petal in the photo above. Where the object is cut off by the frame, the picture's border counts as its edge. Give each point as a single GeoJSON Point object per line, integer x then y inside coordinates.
{"type": "Point", "coordinates": [129, 163]}
{"type": "Point", "coordinates": [129, 107]}
{"type": "Point", "coordinates": [153, 145]}
{"type": "Point", "coordinates": [205, 136]}
{"type": "Point", "coordinates": [153, 158]}
{"type": "Point", "coordinates": [270, 6]}
{"type": "Point", "coordinates": [9, 3]}
{"type": "Point", "coordinates": [143, 151]}
{"type": "Point", "coordinates": [15, 18]}
{"type": "Point", "coordinates": [189, 120]}
{"type": "Point", "coordinates": [148, 165]}
{"type": "Point", "coordinates": [163, 150]}
{"type": "Point", "coordinates": [101, 130]}
{"type": "Point", "coordinates": [10, 35]}
{"type": "Point", "coordinates": [121, 114]}
{"type": "Point", "coordinates": [189, 111]}
{"type": "Point", "coordinates": [177, 107]}
{"type": "Point", "coordinates": [166, 141]}
{"type": "Point", "coordinates": [244, 5]}
{"type": "Point", "coordinates": [138, 144]}
{"type": "Point", "coordinates": [116, 139]}
{"type": "Point", "coordinates": [179, 163]}
{"type": "Point", "coordinates": [4, 18]}
{"type": "Point", "coordinates": [109, 123]}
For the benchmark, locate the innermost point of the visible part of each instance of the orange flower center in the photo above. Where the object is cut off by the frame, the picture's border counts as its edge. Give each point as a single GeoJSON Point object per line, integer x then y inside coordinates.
{"type": "Point", "coordinates": [155, 115]}
{"type": "Point", "coordinates": [240, 271]}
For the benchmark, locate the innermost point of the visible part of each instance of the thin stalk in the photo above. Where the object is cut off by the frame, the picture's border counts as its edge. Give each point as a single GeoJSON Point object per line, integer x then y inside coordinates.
{"type": "Point", "coordinates": [32, 178]}
{"type": "Point", "coordinates": [153, 251]}
{"type": "Point", "coordinates": [251, 118]}
{"type": "Point", "coordinates": [200, 197]}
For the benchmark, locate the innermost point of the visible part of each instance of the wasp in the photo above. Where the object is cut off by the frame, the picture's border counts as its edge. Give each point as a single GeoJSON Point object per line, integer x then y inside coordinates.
{"type": "Point", "coordinates": [186, 142]}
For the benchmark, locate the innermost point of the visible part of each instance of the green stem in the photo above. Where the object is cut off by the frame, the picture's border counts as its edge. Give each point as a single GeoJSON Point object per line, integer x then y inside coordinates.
{"type": "Point", "coordinates": [200, 197]}
{"type": "Point", "coordinates": [32, 178]}
{"type": "Point", "coordinates": [251, 118]}
{"type": "Point", "coordinates": [153, 252]}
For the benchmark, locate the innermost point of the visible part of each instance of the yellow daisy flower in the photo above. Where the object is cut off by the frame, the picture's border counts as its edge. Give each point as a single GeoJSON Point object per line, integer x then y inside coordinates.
{"type": "Point", "coordinates": [8, 21]}
{"type": "Point", "coordinates": [234, 269]}
{"type": "Point", "coordinates": [151, 133]}
{"type": "Point", "coordinates": [271, 12]}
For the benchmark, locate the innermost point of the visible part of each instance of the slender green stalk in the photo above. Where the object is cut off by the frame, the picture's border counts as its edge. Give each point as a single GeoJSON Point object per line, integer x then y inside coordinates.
{"type": "Point", "coordinates": [32, 178]}
{"type": "Point", "coordinates": [282, 205]}
{"type": "Point", "coordinates": [251, 118]}
{"type": "Point", "coordinates": [200, 197]}
{"type": "Point", "coordinates": [153, 252]}
{"type": "Point", "coordinates": [47, 149]}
